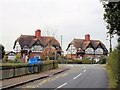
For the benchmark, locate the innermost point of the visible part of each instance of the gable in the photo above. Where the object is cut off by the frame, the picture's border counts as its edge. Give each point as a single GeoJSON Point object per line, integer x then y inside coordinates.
{"type": "Point", "coordinates": [71, 49]}
{"type": "Point", "coordinates": [24, 40]}
{"type": "Point", "coordinates": [99, 51]}
{"type": "Point", "coordinates": [37, 42]}
{"type": "Point", "coordinates": [17, 47]}
{"type": "Point", "coordinates": [90, 46]}
{"type": "Point", "coordinates": [89, 51]}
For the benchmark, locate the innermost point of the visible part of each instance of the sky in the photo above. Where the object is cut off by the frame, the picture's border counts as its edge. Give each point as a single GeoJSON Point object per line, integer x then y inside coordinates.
{"type": "Point", "coordinates": [69, 18]}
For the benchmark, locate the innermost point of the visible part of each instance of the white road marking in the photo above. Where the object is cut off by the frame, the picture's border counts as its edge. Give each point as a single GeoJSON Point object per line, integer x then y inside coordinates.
{"type": "Point", "coordinates": [62, 85]}
{"type": "Point", "coordinates": [77, 76]}
{"type": "Point", "coordinates": [84, 67]}
{"type": "Point", "coordinates": [84, 70]}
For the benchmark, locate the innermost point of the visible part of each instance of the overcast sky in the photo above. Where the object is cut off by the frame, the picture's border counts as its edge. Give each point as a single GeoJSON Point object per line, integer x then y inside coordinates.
{"type": "Point", "coordinates": [69, 18]}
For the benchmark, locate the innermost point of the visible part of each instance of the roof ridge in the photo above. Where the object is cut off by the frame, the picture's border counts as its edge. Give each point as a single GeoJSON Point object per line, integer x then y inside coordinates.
{"type": "Point", "coordinates": [47, 36]}
{"type": "Point", "coordinates": [26, 35]}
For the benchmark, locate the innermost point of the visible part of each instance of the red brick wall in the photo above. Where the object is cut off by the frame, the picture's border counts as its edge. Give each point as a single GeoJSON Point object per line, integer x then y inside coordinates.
{"type": "Point", "coordinates": [38, 33]}
{"type": "Point", "coordinates": [69, 56]}
{"type": "Point", "coordinates": [87, 37]}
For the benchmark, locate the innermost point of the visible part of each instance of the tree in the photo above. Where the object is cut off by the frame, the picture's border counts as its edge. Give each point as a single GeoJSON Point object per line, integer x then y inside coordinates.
{"type": "Point", "coordinates": [48, 51]}
{"type": "Point", "coordinates": [112, 17]}
{"type": "Point", "coordinates": [50, 30]}
{"type": "Point", "coordinates": [2, 51]}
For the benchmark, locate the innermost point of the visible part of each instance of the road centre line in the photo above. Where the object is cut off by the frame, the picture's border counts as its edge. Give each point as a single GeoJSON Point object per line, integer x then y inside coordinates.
{"type": "Point", "coordinates": [84, 70]}
{"type": "Point", "coordinates": [84, 67]}
{"type": "Point", "coordinates": [77, 76]}
{"type": "Point", "coordinates": [62, 85]}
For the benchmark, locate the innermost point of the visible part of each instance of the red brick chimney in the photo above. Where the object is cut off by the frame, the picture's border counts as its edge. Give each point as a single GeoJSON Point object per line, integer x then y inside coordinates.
{"type": "Point", "coordinates": [87, 37]}
{"type": "Point", "coordinates": [38, 33]}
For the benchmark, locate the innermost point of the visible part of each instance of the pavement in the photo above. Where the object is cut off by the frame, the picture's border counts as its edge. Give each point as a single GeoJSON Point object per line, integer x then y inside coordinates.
{"type": "Point", "coordinates": [17, 81]}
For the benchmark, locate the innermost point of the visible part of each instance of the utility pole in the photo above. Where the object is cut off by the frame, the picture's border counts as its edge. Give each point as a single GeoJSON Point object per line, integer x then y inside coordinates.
{"type": "Point", "coordinates": [110, 43]}
{"type": "Point", "coordinates": [61, 41]}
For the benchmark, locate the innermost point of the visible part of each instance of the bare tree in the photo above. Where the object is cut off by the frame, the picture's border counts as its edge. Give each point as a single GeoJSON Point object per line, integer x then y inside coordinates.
{"type": "Point", "coordinates": [50, 30]}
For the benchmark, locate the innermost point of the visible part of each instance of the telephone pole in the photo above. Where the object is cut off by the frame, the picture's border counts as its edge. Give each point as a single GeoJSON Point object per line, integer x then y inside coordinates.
{"type": "Point", "coordinates": [61, 41]}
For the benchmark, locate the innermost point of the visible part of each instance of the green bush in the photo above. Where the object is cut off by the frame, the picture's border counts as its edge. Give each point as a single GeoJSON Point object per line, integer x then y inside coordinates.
{"type": "Point", "coordinates": [118, 82]}
{"type": "Point", "coordinates": [87, 61]}
{"type": "Point", "coordinates": [112, 68]}
{"type": "Point", "coordinates": [78, 61]}
{"type": "Point", "coordinates": [102, 60]}
{"type": "Point", "coordinates": [70, 61]}
{"type": "Point", "coordinates": [84, 61]}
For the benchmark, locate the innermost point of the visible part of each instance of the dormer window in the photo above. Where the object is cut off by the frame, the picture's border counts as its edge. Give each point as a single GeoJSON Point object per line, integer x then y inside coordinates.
{"type": "Point", "coordinates": [99, 51]}
{"type": "Point", "coordinates": [37, 48]}
{"type": "Point", "coordinates": [25, 47]}
{"type": "Point", "coordinates": [89, 51]}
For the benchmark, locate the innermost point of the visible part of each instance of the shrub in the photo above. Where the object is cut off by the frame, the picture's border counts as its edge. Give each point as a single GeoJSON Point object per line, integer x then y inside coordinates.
{"type": "Point", "coordinates": [118, 82]}
{"type": "Point", "coordinates": [112, 68]}
{"type": "Point", "coordinates": [102, 60]}
{"type": "Point", "coordinates": [5, 59]}
{"type": "Point", "coordinates": [78, 61]}
{"type": "Point", "coordinates": [87, 61]}
{"type": "Point", "coordinates": [2, 51]}
{"type": "Point", "coordinates": [70, 61]}
{"type": "Point", "coordinates": [17, 57]}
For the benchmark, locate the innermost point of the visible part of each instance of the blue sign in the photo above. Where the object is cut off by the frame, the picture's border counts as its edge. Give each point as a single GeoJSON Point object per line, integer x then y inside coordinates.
{"type": "Point", "coordinates": [34, 60]}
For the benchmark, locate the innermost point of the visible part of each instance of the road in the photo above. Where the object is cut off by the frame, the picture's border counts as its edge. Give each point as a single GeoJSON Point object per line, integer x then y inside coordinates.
{"type": "Point", "coordinates": [79, 76]}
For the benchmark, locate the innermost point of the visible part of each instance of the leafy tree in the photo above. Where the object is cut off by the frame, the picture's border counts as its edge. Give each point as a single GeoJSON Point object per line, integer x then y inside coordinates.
{"type": "Point", "coordinates": [49, 51]}
{"type": "Point", "coordinates": [112, 17]}
{"type": "Point", "coordinates": [2, 51]}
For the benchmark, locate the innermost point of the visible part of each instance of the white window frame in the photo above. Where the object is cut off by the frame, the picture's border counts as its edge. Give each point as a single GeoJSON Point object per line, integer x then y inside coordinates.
{"type": "Point", "coordinates": [99, 51]}
{"type": "Point", "coordinates": [89, 51]}
{"type": "Point", "coordinates": [34, 48]}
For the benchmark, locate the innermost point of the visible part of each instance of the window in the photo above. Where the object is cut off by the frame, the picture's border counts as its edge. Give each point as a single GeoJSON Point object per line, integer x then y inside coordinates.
{"type": "Point", "coordinates": [37, 48]}
{"type": "Point", "coordinates": [99, 51]}
{"type": "Point", "coordinates": [89, 51]}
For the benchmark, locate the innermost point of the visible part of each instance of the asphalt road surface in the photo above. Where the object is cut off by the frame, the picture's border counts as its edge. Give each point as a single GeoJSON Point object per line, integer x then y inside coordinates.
{"type": "Point", "coordinates": [79, 76]}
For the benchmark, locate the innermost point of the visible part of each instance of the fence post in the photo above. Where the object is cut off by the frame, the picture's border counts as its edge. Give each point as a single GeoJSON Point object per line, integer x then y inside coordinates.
{"type": "Point", "coordinates": [13, 71]}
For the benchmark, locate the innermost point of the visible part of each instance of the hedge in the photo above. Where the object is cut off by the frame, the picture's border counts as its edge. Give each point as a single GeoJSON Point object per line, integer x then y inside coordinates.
{"type": "Point", "coordinates": [112, 68]}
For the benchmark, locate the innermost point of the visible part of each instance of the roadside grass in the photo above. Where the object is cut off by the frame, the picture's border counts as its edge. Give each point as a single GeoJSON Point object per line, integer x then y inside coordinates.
{"type": "Point", "coordinates": [104, 65]}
